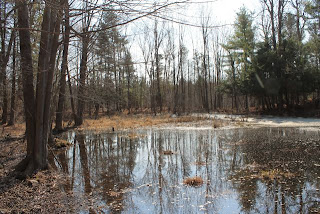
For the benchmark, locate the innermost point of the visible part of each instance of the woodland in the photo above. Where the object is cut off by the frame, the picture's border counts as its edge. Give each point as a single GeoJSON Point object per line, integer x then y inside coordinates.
{"type": "Point", "coordinates": [63, 61]}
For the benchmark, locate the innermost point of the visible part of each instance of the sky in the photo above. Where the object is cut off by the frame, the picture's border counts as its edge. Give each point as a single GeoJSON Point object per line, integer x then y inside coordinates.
{"type": "Point", "coordinates": [226, 10]}
{"type": "Point", "coordinates": [221, 12]}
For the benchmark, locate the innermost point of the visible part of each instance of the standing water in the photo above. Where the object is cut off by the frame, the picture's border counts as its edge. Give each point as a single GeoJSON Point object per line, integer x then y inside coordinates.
{"type": "Point", "coordinates": [266, 170]}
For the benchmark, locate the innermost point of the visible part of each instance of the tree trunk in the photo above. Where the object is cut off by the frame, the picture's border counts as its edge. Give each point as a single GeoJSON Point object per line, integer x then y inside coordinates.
{"type": "Point", "coordinates": [175, 87]}
{"type": "Point", "coordinates": [40, 152]}
{"type": "Point", "coordinates": [64, 66]}
{"type": "Point", "coordinates": [234, 86]}
{"type": "Point", "coordinates": [74, 115]}
{"type": "Point", "coordinates": [96, 112]}
{"type": "Point", "coordinates": [13, 86]}
{"type": "Point", "coordinates": [83, 69]}
{"type": "Point", "coordinates": [52, 64]}
{"type": "Point", "coordinates": [4, 61]}
{"type": "Point", "coordinates": [157, 44]}
{"type": "Point", "coordinates": [27, 81]}
{"type": "Point", "coordinates": [4, 96]}
{"type": "Point", "coordinates": [128, 90]}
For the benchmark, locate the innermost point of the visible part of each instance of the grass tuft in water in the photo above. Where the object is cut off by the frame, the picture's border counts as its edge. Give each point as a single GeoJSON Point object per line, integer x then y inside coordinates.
{"type": "Point", "coordinates": [193, 181]}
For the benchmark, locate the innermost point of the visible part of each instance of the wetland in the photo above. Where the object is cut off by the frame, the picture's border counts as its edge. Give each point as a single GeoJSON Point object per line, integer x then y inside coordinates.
{"type": "Point", "coordinates": [244, 170]}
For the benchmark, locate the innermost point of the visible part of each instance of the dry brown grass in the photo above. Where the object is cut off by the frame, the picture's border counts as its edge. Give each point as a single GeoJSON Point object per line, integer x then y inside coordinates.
{"type": "Point", "coordinates": [16, 130]}
{"type": "Point", "coordinates": [187, 119]}
{"type": "Point", "coordinates": [121, 122]}
{"type": "Point", "coordinates": [193, 181]}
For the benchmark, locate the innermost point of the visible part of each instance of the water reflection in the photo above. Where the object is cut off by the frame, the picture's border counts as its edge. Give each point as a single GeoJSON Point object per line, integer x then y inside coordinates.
{"type": "Point", "coordinates": [245, 171]}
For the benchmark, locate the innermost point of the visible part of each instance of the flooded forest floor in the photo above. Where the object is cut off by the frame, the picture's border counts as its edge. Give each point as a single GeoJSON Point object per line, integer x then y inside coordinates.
{"type": "Point", "coordinates": [44, 192]}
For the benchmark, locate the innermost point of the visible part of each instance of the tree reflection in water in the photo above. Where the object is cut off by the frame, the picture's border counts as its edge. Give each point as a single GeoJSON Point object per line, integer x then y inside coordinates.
{"type": "Point", "coordinates": [245, 170]}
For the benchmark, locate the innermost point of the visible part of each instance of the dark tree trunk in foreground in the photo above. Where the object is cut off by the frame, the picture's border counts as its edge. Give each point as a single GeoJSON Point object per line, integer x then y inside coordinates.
{"type": "Point", "coordinates": [37, 111]}
{"type": "Point", "coordinates": [27, 81]}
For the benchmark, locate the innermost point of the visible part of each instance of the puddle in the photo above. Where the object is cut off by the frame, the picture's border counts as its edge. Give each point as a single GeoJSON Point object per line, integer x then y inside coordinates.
{"type": "Point", "coordinates": [265, 170]}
